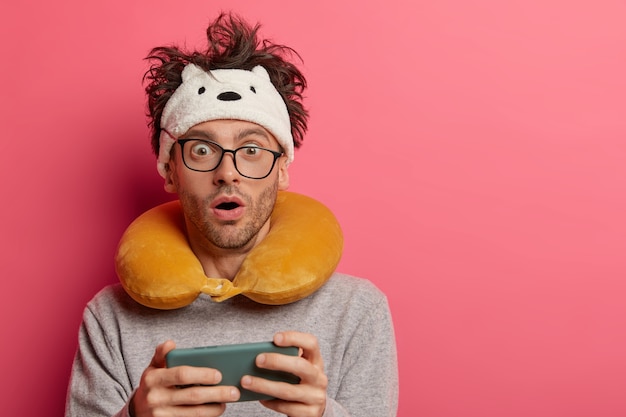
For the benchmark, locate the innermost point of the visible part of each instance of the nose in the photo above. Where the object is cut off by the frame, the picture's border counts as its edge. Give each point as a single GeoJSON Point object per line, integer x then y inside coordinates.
{"type": "Point", "coordinates": [226, 173]}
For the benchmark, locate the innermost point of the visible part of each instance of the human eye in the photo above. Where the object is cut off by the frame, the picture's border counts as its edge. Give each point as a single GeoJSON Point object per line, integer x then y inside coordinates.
{"type": "Point", "coordinates": [202, 149]}
{"type": "Point", "coordinates": [251, 151]}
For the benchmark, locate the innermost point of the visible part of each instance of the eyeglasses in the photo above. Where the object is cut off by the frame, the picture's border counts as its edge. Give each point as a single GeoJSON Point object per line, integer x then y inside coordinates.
{"type": "Point", "coordinates": [250, 161]}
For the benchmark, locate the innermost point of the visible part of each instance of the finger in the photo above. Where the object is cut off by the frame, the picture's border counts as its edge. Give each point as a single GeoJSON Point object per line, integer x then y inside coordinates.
{"type": "Point", "coordinates": [158, 360]}
{"type": "Point", "coordinates": [196, 395]}
{"type": "Point", "coordinates": [208, 409]}
{"type": "Point", "coordinates": [293, 408]}
{"type": "Point", "coordinates": [306, 341]}
{"type": "Point", "coordinates": [295, 365]}
{"type": "Point", "coordinates": [181, 376]}
{"type": "Point", "coordinates": [281, 390]}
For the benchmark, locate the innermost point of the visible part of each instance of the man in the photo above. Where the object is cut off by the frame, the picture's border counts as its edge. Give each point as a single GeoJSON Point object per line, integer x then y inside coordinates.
{"type": "Point", "coordinates": [226, 167]}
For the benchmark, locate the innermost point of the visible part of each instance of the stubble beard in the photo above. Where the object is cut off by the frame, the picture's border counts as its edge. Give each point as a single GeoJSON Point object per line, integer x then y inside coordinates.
{"type": "Point", "coordinates": [230, 235]}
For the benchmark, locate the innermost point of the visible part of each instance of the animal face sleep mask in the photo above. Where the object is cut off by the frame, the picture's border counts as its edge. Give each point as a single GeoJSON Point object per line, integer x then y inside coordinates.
{"type": "Point", "coordinates": [224, 94]}
{"type": "Point", "coordinates": [154, 261]}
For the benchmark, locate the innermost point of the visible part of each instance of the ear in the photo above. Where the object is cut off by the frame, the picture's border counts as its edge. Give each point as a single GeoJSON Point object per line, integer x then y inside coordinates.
{"type": "Point", "coordinates": [190, 71]}
{"type": "Point", "coordinates": [170, 184]}
{"type": "Point", "coordinates": [261, 72]}
{"type": "Point", "coordinates": [283, 174]}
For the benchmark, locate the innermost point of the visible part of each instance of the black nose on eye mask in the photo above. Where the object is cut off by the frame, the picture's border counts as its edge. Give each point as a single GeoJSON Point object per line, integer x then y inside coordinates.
{"type": "Point", "coordinates": [229, 96]}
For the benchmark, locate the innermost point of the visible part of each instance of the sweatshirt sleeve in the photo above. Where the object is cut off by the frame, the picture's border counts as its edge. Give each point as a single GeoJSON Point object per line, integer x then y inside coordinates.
{"type": "Point", "coordinates": [99, 384]}
{"type": "Point", "coordinates": [369, 384]}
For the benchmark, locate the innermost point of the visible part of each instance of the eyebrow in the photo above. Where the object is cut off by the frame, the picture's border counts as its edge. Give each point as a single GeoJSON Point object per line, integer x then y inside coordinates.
{"type": "Point", "coordinates": [202, 134]}
{"type": "Point", "coordinates": [199, 134]}
{"type": "Point", "coordinates": [253, 131]}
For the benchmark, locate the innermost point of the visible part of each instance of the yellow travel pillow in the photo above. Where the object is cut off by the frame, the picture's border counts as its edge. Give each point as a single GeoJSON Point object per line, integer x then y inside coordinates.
{"type": "Point", "coordinates": [158, 269]}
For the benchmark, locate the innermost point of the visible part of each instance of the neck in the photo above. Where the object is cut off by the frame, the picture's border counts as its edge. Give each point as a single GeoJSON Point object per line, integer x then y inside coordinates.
{"type": "Point", "coordinates": [219, 262]}
{"type": "Point", "coordinates": [225, 265]}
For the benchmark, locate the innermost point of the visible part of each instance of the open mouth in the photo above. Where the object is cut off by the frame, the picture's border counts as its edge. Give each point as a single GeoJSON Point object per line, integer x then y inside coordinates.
{"type": "Point", "coordinates": [231, 205]}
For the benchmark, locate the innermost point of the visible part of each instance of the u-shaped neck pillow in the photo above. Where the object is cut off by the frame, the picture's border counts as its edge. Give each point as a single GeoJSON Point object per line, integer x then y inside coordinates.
{"type": "Point", "coordinates": [158, 269]}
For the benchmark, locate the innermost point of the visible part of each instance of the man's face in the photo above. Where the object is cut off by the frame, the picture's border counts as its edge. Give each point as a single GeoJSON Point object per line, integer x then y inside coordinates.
{"type": "Point", "coordinates": [224, 209]}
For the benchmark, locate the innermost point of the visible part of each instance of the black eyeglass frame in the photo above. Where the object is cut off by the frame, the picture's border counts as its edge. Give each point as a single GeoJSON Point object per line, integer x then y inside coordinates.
{"type": "Point", "coordinates": [276, 155]}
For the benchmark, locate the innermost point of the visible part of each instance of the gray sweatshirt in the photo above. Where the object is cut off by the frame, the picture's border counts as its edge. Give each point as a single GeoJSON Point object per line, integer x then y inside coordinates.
{"type": "Point", "coordinates": [349, 316]}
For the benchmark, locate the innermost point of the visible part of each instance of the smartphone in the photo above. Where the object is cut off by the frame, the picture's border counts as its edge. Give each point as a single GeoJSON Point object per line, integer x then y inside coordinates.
{"type": "Point", "coordinates": [235, 361]}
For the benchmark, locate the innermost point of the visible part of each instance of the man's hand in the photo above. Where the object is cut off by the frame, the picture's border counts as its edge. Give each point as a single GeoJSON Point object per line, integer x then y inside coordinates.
{"type": "Point", "coordinates": [158, 395]}
{"type": "Point", "coordinates": [306, 399]}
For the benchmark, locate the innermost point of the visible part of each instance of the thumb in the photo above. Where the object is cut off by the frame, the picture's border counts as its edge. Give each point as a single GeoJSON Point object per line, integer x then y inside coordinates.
{"type": "Point", "coordinates": [158, 360]}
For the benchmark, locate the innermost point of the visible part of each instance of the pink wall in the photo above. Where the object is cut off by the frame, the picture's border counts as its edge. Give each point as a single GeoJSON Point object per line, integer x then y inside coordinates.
{"type": "Point", "coordinates": [474, 151]}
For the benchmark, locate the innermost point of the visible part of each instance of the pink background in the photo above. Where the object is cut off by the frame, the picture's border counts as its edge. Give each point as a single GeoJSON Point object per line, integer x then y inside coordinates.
{"type": "Point", "coordinates": [474, 152]}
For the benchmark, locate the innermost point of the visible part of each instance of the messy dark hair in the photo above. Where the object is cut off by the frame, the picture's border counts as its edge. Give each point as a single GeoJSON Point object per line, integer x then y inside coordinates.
{"type": "Point", "coordinates": [232, 44]}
